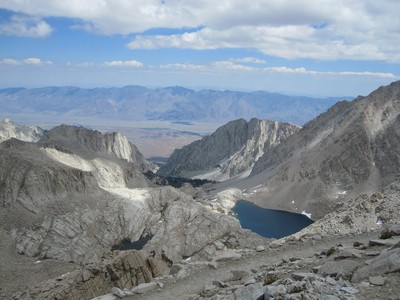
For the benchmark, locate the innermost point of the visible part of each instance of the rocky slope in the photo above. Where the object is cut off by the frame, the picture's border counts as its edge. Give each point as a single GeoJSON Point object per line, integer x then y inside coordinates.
{"type": "Point", "coordinates": [76, 193]}
{"type": "Point", "coordinates": [231, 150]}
{"type": "Point", "coordinates": [350, 149]}
{"type": "Point", "coordinates": [10, 130]}
{"type": "Point", "coordinates": [345, 255]}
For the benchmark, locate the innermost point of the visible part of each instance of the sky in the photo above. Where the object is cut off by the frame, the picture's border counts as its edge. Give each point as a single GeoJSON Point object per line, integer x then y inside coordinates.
{"type": "Point", "coordinates": [299, 47]}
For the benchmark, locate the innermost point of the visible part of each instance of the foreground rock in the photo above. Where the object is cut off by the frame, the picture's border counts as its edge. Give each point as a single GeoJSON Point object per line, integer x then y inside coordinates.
{"type": "Point", "coordinates": [123, 271]}
{"type": "Point", "coordinates": [320, 276]}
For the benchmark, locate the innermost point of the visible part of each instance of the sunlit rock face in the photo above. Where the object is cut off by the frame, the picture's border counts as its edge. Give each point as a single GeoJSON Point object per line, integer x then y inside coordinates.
{"type": "Point", "coordinates": [9, 130]}
{"type": "Point", "coordinates": [230, 151]}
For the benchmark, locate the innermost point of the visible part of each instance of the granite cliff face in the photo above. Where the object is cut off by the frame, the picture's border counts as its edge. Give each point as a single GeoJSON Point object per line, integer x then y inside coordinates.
{"type": "Point", "coordinates": [231, 150]}
{"type": "Point", "coordinates": [350, 149]}
{"type": "Point", "coordinates": [10, 130]}
{"type": "Point", "coordinates": [88, 143]}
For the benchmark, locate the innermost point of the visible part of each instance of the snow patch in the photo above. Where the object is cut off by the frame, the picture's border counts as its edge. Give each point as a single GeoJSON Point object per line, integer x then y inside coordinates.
{"type": "Point", "coordinates": [306, 214]}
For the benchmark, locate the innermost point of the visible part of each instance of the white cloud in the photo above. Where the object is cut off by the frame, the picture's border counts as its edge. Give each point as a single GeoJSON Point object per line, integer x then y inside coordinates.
{"type": "Point", "coordinates": [10, 61]}
{"type": "Point", "coordinates": [124, 63]}
{"type": "Point", "coordinates": [230, 66]}
{"type": "Point", "coordinates": [303, 70]}
{"type": "Point", "coordinates": [26, 26]}
{"type": "Point", "coordinates": [183, 66]}
{"type": "Point", "coordinates": [27, 61]}
{"type": "Point", "coordinates": [251, 60]}
{"type": "Point", "coordinates": [317, 29]}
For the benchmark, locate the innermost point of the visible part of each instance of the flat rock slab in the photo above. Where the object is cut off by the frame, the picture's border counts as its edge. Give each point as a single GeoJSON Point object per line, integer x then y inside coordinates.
{"type": "Point", "coordinates": [386, 242]}
{"type": "Point", "coordinates": [252, 291]}
{"type": "Point", "coordinates": [301, 276]}
{"type": "Point", "coordinates": [144, 287]}
{"type": "Point", "coordinates": [387, 262]}
{"type": "Point", "coordinates": [349, 290]}
{"type": "Point", "coordinates": [344, 267]}
{"type": "Point", "coordinates": [377, 280]}
{"type": "Point", "coordinates": [349, 253]}
{"type": "Point", "coordinates": [227, 255]}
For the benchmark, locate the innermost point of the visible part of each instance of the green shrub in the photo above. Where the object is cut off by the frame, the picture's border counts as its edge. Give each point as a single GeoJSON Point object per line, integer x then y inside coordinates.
{"type": "Point", "coordinates": [387, 234]}
{"type": "Point", "coordinates": [271, 278]}
{"type": "Point", "coordinates": [330, 251]}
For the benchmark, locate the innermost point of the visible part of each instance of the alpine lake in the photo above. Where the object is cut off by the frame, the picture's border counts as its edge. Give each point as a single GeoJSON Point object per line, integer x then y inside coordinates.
{"type": "Point", "coordinates": [269, 223]}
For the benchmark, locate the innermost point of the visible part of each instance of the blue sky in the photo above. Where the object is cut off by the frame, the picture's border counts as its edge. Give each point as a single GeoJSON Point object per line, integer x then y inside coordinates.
{"type": "Point", "coordinates": [307, 47]}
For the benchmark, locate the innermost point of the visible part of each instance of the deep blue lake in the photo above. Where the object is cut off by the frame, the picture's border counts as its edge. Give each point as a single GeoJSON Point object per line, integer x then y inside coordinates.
{"type": "Point", "coordinates": [269, 223]}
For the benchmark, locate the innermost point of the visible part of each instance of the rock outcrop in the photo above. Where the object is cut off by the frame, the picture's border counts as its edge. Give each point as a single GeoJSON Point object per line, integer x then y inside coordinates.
{"type": "Point", "coordinates": [123, 270]}
{"type": "Point", "coordinates": [10, 130]}
{"type": "Point", "coordinates": [231, 150]}
{"type": "Point", "coordinates": [349, 150]}
{"type": "Point", "coordinates": [88, 143]}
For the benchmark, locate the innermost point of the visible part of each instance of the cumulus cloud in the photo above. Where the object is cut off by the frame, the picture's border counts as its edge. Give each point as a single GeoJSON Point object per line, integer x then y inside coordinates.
{"type": "Point", "coordinates": [26, 27]}
{"type": "Point", "coordinates": [316, 29]}
{"type": "Point", "coordinates": [27, 61]}
{"type": "Point", "coordinates": [124, 63]}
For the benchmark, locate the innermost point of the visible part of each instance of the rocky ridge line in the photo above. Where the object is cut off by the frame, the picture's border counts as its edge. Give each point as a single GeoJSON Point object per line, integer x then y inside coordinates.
{"type": "Point", "coordinates": [231, 150]}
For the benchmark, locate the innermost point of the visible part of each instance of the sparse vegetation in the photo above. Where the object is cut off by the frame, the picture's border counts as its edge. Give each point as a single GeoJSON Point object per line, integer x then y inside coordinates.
{"type": "Point", "coordinates": [387, 234]}
{"type": "Point", "coordinates": [330, 251]}
{"type": "Point", "coordinates": [296, 289]}
{"type": "Point", "coordinates": [271, 278]}
{"type": "Point", "coordinates": [357, 244]}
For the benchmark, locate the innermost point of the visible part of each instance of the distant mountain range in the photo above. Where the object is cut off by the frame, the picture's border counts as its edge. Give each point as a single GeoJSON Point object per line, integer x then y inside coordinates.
{"type": "Point", "coordinates": [171, 103]}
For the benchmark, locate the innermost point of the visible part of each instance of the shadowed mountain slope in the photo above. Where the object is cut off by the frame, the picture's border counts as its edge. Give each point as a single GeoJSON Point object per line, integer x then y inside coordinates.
{"type": "Point", "coordinates": [353, 148]}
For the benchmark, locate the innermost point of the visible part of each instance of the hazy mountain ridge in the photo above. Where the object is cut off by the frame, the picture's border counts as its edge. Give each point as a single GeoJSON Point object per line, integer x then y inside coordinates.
{"type": "Point", "coordinates": [231, 150]}
{"type": "Point", "coordinates": [172, 103]}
